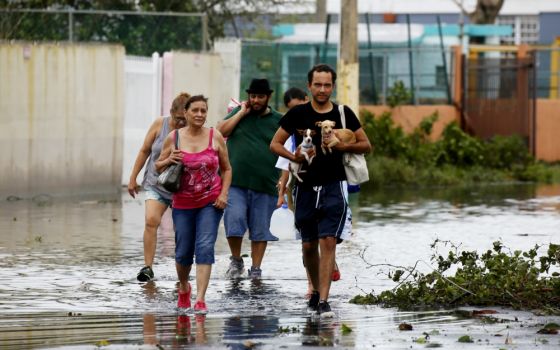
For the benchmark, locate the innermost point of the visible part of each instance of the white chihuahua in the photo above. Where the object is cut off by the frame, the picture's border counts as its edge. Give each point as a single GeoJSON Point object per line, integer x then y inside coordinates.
{"type": "Point", "coordinates": [305, 147]}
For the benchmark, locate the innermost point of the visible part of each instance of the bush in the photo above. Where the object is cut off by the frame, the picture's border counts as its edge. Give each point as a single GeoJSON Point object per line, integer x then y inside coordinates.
{"type": "Point", "coordinates": [498, 277]}
{"type": "Point", "coordinates": [506, 152]}
{"type": "Point", "coordinates": [456, 158]}
{"type": "Point", "coordinates": [391, 141]}
{"type": "Point", "coordinates": [398, 94]}
{"type": "Point", "coordinates": [458, 148]}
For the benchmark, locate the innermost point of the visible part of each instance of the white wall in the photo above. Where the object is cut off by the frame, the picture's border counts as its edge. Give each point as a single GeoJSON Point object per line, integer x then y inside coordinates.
{"type": "Point", "coordinates": [216, 75]}
{"type": "Point", "coordinates": [142, 105]}
{"type": "Point", "coordinates": [61, 108]}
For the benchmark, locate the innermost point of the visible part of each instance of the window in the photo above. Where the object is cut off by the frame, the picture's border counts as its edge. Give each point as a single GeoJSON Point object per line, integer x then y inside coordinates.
{"type": "Point", "coordinates": [525, 29]}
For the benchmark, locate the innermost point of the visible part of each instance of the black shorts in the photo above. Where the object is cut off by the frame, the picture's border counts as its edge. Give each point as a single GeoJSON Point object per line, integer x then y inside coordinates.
{"type": "Point", "coordinates": [320, 211]}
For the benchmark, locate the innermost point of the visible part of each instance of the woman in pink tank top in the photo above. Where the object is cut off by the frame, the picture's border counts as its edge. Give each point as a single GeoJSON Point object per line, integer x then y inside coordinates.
{"type": "Point", "coordinates": [198, 205]}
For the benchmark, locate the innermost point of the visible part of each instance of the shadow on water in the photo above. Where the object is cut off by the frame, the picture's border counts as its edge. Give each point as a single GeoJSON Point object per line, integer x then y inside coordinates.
{"type": "Point", "coordinates": [69, 265]}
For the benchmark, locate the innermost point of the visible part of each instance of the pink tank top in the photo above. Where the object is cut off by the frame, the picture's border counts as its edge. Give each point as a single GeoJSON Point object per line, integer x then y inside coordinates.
{"type": "Point", "coordinates": [200, 184]}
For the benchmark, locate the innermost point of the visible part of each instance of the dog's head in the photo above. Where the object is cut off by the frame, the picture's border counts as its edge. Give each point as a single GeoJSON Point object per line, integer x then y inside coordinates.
{"type": "Point", "coordinates": [327, 127]}
{"type": "Point", "coordinates": [307, 135]}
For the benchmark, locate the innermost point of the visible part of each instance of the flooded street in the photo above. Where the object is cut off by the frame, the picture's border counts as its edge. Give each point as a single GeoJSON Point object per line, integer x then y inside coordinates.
{"type": "Point", "coordinates": [68, 268]}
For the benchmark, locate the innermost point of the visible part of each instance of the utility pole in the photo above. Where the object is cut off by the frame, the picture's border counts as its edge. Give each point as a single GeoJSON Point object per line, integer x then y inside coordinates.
{"type": "Point", "coordinates": [320, 11]}
{"type": "Point", "coordinates": [348, 92]}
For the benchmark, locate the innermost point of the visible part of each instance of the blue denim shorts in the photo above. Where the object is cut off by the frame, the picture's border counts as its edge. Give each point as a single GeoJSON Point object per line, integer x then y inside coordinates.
{"type": "Point", "coordinates": [196, 231]}
{"type": "Point", "coordinates": [151, 194]}
{"type": "Point", "coordinates": [249, 210]}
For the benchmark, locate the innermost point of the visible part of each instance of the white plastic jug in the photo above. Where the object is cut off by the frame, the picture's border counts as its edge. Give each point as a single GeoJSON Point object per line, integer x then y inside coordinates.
{"type": "Point", "coordinates": [282, 223]}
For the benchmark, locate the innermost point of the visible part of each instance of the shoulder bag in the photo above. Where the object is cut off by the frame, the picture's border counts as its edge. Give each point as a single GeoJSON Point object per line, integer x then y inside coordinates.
{"type": "Point", "coordinates": [355, 164]}
{"type": "Point", "coordinates": [170, 178]}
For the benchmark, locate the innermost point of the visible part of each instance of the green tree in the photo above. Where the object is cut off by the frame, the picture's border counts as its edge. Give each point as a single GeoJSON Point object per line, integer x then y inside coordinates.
{"type": "Point", "coordinates": [141, 35]}
{"type": "Point", "coordinates": [485, 11]}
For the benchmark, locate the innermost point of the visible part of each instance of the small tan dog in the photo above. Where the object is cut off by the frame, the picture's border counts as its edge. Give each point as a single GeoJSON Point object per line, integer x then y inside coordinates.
{"type": "Point", "coordinates": [331, 136]}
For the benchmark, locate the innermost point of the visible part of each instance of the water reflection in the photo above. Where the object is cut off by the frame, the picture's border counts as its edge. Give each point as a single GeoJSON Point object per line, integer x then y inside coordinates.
{"type": "Point", "coordinates": [185, 335]}
{"type": "Point", "coordinates": [174, 331]}
{"type": "Point", "coordinates": [318, 333]}
{"type": "Point", "coordinates": [240, 328]}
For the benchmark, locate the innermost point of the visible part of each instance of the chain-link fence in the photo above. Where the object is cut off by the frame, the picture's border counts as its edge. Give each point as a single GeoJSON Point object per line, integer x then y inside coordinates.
{"type": "Point", "coordinates": [548, 72]}
{"type": "Point", "coordinates": [286, 65]}
{"type": "Point", "coordinates": [142, 33]}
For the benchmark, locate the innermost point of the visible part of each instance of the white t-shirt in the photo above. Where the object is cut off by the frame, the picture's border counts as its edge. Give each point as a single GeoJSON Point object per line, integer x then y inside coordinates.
{"type": "Point", "coordinates": [283, 163]}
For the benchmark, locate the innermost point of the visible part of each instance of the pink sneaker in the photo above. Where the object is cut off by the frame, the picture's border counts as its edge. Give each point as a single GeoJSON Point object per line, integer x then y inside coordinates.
{"type": "Point", "coordinates": [335, 273]}
{"type": "Point", "coordinates": [184, 301]}
{"type": "Point", "coordinates": [200, 308]}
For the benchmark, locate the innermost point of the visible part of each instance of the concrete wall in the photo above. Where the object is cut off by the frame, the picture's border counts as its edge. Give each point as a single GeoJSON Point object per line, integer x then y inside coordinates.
{"type": "Point", "coordinates": [547, 146]}
{"type": "Point", "coordinates": [547, 122]}
{"type": "Point", "coordinates": [61, 111]}
{"type": "Point", "coordinates": [409, 117]}
{"type": "Point", "coordinates": [210, 74]}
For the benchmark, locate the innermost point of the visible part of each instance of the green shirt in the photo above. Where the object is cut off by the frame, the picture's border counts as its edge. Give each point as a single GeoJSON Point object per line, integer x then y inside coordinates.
{"type": "Point", "coordinates": [252, 162]}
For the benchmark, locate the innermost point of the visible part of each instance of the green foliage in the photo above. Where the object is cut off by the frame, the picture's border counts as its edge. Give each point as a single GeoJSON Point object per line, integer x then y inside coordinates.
{"type": "Point", "coordinates": [502, 152]}
{"type": "Point", "coordinates": [386, 138]}
{"type": "Point", "coordinates": [498, 277]}
{"type": "Point", "coordinates": [465, 339]}
{"type": "Point", "coordinates": [458, 148]}
{"type": "Point", "coordinates": [398, 94]}
{"type": "Point", "coordinates": [456, 158]}
{"type": "Point", "coordinates": [345, 329]}
{"type": "Point", "coordinates": [391, 141]}
{"type": "Point", "coordinates": [140, 34]}
{"type": "Point", "coordinates": [367, 299]}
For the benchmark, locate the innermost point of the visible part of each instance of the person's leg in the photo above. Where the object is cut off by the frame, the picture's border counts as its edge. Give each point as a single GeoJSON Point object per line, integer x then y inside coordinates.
{"type": "Point", "coordinates": [311, 261]}
{"type": "Point", "coordinates": [207, 222]}
{"type": "Point", "coordinates": [235, 244]}
{"type": "Point", "coordinates": [306, 224]}
{"type": "Point", "coordinates": [153, 213]}
{"type": "Point", "coordinates": [183, 273]}
{"type": "Point", "coordinates": [203, 272]}
{"type": "Point", "coordinates": [185, 226]}
{"type": "Point", "coordinates": [333, 207]}
{"type": "Point", "coordinates": [257, 253]}
{"type": "Point", "coordinates": [309, 285]}
{"type": "Point", "coordinates": [326, 265]}
{"type": "Point", "coordinates": [346, 231]}
{"type": "Point", "coordinates": [261, 206]}
{"type": "Point", "coordinates": [235, 223]}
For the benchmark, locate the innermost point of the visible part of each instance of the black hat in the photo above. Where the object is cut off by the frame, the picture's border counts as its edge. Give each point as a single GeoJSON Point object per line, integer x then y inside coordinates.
{"type": "Point", "coordinates": [259, 86]}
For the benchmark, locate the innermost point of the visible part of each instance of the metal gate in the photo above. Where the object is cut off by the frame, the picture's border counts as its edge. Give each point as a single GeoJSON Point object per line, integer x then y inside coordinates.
{"type": "Point", "coordinates": [500, 97]}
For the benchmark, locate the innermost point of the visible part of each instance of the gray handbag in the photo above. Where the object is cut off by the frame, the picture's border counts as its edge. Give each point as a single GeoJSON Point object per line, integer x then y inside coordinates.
{"type": "Point", "coordinates": [170, 178]}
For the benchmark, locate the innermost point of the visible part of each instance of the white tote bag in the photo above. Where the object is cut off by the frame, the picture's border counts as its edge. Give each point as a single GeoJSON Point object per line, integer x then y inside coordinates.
{"type": "Point", "coordinates": [355, 164]}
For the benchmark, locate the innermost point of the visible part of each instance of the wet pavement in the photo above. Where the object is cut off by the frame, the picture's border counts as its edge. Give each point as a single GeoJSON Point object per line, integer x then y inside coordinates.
{"type": "Point", "coordinates": [68, 267]}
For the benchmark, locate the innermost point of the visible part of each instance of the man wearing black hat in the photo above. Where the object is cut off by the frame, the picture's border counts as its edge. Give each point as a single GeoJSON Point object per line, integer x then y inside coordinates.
{"type": "Point", "coordinates": [252, 197]}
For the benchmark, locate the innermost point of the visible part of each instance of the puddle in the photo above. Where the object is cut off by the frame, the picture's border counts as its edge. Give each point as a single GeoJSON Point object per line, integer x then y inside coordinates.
{"type": "Point", "coordinates": [69, 266]}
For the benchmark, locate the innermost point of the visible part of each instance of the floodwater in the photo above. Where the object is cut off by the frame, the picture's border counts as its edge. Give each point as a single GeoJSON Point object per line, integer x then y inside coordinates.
{"type": "Point", "coordinates": [68, 267]}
